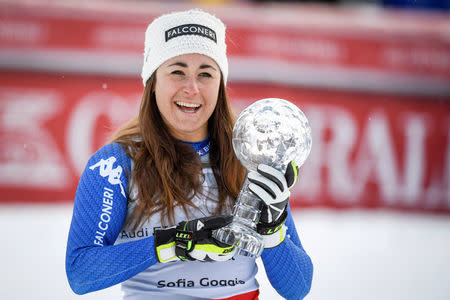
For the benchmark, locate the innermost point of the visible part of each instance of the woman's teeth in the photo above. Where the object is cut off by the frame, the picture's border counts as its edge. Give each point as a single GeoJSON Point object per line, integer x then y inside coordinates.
{"type": "Point", "coordinates": [189, 105]}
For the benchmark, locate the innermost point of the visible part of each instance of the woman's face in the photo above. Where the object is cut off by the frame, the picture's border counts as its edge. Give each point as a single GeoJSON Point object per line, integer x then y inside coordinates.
{"type": "Point", "coordinates": [187, 87]}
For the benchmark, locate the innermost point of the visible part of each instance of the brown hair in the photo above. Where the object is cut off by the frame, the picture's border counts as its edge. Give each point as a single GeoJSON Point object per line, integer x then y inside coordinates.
{"type": "Point", "coordinates": [168, 172]}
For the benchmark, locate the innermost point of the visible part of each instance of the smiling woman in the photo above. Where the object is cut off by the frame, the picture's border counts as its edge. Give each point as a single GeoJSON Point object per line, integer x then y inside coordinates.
{"type": "Point", "coordinates": [186, 90]}
{"type": "Point", "coordinates": [174, 165]}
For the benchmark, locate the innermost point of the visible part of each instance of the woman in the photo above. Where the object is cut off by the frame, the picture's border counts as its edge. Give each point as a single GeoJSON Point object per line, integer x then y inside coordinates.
{"type": "Point", "coordinates": [147, 203]}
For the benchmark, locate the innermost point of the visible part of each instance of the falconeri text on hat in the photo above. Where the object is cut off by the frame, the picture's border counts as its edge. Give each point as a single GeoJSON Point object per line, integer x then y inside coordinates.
{"type": "Point", "coordinates": [192, 31]}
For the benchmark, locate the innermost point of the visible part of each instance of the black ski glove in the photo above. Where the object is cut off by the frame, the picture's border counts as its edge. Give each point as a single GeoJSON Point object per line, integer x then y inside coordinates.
{"type": "Point", "coordinates": [192, 240]}
{"type": "Point", "coordinates": [272, 187]}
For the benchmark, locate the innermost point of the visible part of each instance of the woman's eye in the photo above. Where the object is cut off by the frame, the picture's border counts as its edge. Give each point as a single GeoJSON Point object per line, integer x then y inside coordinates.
{"type": "Point", "coordinates": [205, 74]}
{"type": "Point", "coordinates": [177, 72]}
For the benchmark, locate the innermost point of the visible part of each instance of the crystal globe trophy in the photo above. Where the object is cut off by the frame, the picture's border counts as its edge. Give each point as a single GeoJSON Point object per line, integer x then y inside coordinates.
{"type": "Point", "coordinates": [274, 132]}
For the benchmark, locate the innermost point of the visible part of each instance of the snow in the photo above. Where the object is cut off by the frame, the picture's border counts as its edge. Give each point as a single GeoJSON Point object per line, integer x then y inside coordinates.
{"type": "Point", "coordinates": [356, 254]}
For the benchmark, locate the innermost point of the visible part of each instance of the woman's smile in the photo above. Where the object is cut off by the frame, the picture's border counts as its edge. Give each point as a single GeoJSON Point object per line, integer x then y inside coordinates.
{"type": "Point", "coordinates": [187, 107]}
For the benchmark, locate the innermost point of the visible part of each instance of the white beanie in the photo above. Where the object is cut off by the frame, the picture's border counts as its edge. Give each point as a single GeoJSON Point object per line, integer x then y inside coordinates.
{"type": "Point", "coordinates": [192, 31]}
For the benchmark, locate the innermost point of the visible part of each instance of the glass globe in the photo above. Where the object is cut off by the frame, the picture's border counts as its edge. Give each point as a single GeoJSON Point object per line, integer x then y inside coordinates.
{"type": "Point", "coordinates": [272, 131]}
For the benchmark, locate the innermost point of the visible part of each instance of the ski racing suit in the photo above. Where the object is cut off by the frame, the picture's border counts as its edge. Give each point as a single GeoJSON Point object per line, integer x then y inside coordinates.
{"type": "Point", "coordinates": [103, 251]}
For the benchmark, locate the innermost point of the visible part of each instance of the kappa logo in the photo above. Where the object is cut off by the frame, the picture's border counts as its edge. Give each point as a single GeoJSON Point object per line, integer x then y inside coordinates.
{"type": "Point", "coordinates": [191, 29]}
{"type": "Point", "coordinates": [106, 170]}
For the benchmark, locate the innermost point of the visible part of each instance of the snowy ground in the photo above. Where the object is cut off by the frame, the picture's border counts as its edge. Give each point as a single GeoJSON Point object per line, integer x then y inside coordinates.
{"type": "Point", "coordinates": [356, 255]}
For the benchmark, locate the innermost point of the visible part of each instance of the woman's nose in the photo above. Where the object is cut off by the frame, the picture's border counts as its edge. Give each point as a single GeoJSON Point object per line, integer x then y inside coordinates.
{"type": "Point", "coordinates": [191, 87]}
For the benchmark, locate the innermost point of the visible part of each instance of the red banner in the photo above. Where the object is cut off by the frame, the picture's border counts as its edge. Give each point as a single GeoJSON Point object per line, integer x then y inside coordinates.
{"type": "Point", "coordinates": [369, 150]}
{"type": "Point", "coordinates": [393, 52]}
{"type": "Point", "coordinates": [295, 45]}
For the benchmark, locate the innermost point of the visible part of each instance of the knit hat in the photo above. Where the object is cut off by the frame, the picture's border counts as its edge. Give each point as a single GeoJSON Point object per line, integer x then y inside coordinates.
{"type": "Point", "coordinates": [192, 31]}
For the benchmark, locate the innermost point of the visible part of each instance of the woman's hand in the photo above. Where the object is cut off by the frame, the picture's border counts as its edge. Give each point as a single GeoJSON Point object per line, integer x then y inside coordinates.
{"type": "Point", "coordinates": [193, 240]}
{"type": "Point", "coordinates": [272, 187]}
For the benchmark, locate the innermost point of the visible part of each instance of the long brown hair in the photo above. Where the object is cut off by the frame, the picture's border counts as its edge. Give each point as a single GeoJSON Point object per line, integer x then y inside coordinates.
{"type": "Point", "coordinates": [168, 172]}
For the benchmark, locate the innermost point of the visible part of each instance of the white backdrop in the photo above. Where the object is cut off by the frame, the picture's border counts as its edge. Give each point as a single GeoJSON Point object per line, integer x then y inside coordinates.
{"type": "Point", "coordinates": [356, 255]}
